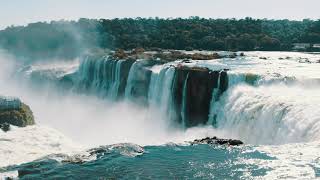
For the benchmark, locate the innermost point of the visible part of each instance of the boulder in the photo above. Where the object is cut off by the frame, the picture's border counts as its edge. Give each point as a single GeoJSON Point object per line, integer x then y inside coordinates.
{"type": "Point", "coordinates": [14, 112]}
{"type": "Point", "coordinates": [218, 141]}
{"type": "Point", "coordinates": [5, 127]}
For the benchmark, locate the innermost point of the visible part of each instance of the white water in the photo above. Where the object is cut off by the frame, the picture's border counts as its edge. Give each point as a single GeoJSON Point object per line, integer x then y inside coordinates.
{"type": "Point", "coordinates": [27, 144]}
{"type": "Point", "coordinates": [86, 120]}
{"type": "Point", "coordinates": [183, 108]}
{"type": "Point", "coordinates": [270, 113]}
{"type": "Point", "coordinates": [160, 93]}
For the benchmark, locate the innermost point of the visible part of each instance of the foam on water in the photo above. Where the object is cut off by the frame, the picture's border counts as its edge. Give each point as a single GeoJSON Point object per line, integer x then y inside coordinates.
{"type": "Point", "coordinates": [27, 144]}
{"type": "Point", "coordinates": [291, 161]}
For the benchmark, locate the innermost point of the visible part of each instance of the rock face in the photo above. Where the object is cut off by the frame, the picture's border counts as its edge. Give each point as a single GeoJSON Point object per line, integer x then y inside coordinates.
{"type": "Point", "coordinates": [215, 140]}
{"type": "Point", "coordinates": [14, 112]}
{"type": "Point", "coordinates": [193, 93]}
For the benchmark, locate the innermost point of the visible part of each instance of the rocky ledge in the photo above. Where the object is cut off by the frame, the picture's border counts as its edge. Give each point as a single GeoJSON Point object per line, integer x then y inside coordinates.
{"type": "Point", "coordinates": [170, 55]}
{"type": "Point", "coordinates": [218, 141]}
{"type": "Point", "coordinates": [14, 112]}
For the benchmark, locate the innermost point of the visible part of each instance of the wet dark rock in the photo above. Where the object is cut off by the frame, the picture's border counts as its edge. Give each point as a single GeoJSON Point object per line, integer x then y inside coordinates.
{"type": "Point", "coordinates": [233, 55]}
{"type": "Point", "coordinates": [25, 172]}
{"type": "Point", "coordinates": [224, 81]}
{"type": "Point", "coordinates": [5, 127]}
{"type": "Point", "coordinates": [186, 61]}
{"type": "Point", "coordinates": [218, 141]}
{"type": "Point", "coordinates": [14, 112]}
{"type": "Point", "coordinates": [193, 87]}
{"type": "Point", "coordinates": [234, 142]}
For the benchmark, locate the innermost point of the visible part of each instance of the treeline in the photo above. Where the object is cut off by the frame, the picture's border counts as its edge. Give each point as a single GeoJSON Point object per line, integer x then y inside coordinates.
{"type": "Point", "coordinates": [67, 39]}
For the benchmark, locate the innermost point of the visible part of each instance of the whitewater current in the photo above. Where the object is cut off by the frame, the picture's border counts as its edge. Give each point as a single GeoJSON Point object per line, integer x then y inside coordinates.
{"type": "Point", "coordinates": [271, 104]}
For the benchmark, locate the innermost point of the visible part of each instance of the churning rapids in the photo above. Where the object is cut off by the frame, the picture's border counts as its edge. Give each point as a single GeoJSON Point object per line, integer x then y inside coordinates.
{"type": "Point", "coordinates": [129, 119]}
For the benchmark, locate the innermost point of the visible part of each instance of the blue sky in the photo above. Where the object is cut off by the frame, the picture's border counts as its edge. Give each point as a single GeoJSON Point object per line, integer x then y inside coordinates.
{"type": "Point", "coordinates": [21, 12]}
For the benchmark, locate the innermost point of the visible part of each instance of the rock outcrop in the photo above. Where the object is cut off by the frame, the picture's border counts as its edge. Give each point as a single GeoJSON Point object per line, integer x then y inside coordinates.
{"type": "Point", "coordinates": [218, 141]}
{"type": "Point", "coordinates": [14, 112]}
{"type": "Point", "coordinates": [193, 93]}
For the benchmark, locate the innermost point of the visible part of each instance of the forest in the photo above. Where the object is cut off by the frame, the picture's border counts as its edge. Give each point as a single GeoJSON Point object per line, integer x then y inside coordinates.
{"type": "Point", "coordinates": [68, 39]}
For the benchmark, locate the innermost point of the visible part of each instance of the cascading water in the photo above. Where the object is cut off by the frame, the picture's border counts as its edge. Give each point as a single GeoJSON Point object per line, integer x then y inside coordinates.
{"type": "Point", "coordinates": [180, 94]}
{"type": "Point", "coordinates": [270, 113]}
{"type": "Point", "coordinates": [241, 102]}
{"type": "Point", "coordinates": [184, 102]}
{"type": "Point", "coordinates": [266, 109]}
{"type": "Point", "coordinates": [104, 77]}
{"type": "Point", "coordinates": [133, 73]}
{"type": "Point", "coordinates": [161, 91]}
{"type": "Point", "coordinates": [113, 93]}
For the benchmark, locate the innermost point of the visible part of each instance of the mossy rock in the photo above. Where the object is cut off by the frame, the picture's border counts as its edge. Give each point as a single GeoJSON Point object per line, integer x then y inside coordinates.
{"type": "Point", "coordinates": [20, 117]}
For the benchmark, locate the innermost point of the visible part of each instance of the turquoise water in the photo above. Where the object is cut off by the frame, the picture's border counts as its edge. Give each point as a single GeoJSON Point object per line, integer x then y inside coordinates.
{"type": "Point", "coordinates": [157, 162]}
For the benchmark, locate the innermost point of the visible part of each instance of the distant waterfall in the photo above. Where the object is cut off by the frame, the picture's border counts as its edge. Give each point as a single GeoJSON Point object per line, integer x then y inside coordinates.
{"type": "Point", "coordinates": [105, 77]}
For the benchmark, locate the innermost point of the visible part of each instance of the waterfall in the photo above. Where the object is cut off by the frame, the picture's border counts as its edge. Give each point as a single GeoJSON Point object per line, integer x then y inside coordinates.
{"type": "Point", "coordinates": [130, 83]}
{"type": "Point", "coordinates": [184, 102]}
{"type": "Point", "coordinates": [113, 93]}
{"type": "Point", "coordinates": [102, 77]}
{"type": "Point", "coordinates": [270, 114]}
{"type": "Point", "coordinates": [214, 103]}
{"type": "Point", "coordinates": [139, 78]}
{"type": "Point", "coordinates": [160, 94]}
{"type": "Point", "coordinates": [255, 106]}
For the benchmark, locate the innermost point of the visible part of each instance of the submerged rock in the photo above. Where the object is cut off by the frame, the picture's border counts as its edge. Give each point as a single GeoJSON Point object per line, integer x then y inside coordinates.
{"type": "Point", "coordinates": [14, 112]}
{"type": "Point", "coordinates": [215, 140]}
{"type": "Point", "coordinates": [125, 149]}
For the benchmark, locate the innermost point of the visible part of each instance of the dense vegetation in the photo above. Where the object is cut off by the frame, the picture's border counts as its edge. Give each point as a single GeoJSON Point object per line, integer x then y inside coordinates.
{"type": "Point", "coordinates": [66, 39]}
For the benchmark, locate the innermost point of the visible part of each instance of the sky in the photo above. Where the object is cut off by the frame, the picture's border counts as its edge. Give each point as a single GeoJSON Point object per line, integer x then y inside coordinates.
{"type": "Point", "coordinates": [22, 12]}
